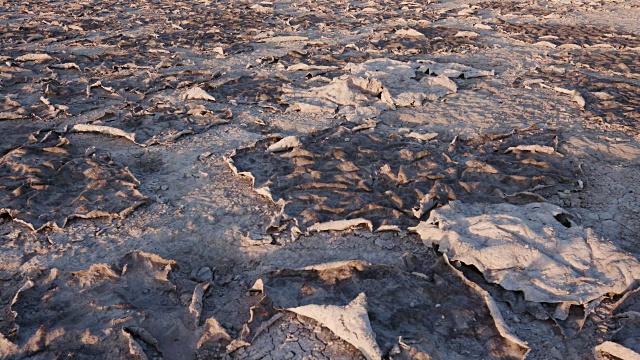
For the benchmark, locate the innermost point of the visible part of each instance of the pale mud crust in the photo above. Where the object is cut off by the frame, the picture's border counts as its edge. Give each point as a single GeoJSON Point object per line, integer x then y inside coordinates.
{"type": "Point", "coordinates": [534, 248]}
{"type": "Point", "coordinates": [154, 96]}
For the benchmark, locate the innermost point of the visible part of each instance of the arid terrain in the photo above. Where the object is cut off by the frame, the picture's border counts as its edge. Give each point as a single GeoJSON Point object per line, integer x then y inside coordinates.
{"type": "Point", "coordinates": [320, 179]}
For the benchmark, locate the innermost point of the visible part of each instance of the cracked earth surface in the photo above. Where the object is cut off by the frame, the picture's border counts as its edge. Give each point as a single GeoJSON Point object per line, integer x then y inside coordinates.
{"type": "Point", "coordinates": [126, 234]}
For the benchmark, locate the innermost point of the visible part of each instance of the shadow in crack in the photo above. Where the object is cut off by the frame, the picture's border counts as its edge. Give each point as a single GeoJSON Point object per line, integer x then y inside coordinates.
{"type": "Point", "coordinates": [392, 179]}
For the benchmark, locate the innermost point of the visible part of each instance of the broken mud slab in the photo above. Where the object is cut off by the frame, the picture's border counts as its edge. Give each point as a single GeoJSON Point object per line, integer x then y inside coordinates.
{"type": "Point", "coordinates": [383, 311]}
{"type": "Point", "coordinates": [390, 181]}
{"type": "Point", "coordinates": [133, 309]}
{"type": "Point", "coordinates": [535, 248]}
{"type": "Point", "coordinates": [287, 333]}
{"type": "Point", "coordinates": [48, 181]}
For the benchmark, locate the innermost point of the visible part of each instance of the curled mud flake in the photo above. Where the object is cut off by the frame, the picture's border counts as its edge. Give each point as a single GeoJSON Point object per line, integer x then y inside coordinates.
{"type": "Point", "coordinates": [6, 115]}
{"type": "Point", "coordinates": [618, 351]}
{"type": "Point", "coordinates": [107, 130]}
{"type": "Point", "coordinates": [422, 137]}
{"type": "Point", "coordinates": [65, 66]}
{"type": "Point", "coordinates": [286, 143]}
{"type": "Point", "coordinates": [34, 57]}
{"type": "Point", "coordinates": [341, 225]}
{"type": "Point", "coordinates": [196, 93]}
{"type": "Point", "coordinates": [306, 67]}
{"type": "Point", "coordinates": [467, 34]}
{"type": "Point", "coordinates": [283, 39]}
{"type": "Point", "coordinates": [546, 44]}
{"type": "Point", "coordinates": [533, 148]}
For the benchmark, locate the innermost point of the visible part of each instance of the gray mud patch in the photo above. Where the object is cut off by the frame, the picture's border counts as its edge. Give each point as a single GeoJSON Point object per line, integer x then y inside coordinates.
{"type": "Point", "coordinates": [134, 308]}
{"type": "Point", "coordinates": [609, 103]}
{"type": "Point", "coordinates": [48, 181]}
{"type": "Point", "coordinates": [415, 323]}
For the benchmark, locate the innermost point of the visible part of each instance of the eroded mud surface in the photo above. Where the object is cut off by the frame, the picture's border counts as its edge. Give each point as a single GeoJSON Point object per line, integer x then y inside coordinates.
{"type": "Point", "coordinates": [395, 180]}
{"type": "Point", "coordinates": [289, 180]}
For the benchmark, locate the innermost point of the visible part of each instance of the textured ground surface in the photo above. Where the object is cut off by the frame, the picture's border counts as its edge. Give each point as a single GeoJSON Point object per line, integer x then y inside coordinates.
{"type": "Point", "coordinates": [126, 234]}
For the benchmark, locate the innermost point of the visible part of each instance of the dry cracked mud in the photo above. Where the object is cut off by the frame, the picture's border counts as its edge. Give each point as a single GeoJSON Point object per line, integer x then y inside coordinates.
{"type": "Point", "coordinates": [240, 179]}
